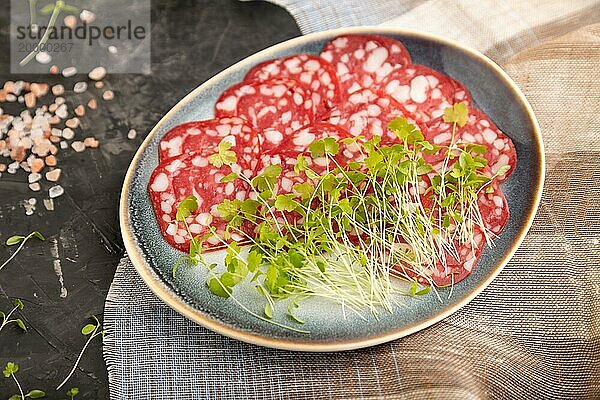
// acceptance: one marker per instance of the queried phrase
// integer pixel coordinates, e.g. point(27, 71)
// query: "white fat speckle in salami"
point(160, 183)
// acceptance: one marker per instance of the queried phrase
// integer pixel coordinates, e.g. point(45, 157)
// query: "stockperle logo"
point(53, 35)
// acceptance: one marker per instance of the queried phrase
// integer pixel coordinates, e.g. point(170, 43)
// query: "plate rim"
point(167, 295)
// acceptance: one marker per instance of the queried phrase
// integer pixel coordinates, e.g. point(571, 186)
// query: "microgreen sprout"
point(17, 321)
point(20, 240)
point(10, 372)
point(91, 331)
point(53, 9)
point(359, 233)
point(73, 392)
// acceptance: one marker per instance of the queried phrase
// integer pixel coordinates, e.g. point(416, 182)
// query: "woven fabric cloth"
point(533, 333)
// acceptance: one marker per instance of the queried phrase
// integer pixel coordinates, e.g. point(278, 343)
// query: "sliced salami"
point(203, 138)
point(179, 177)
point(312, 71)
point(364, 60)
point(481, 130)
point(367, 113)
point(423, 91)
point(276, 107)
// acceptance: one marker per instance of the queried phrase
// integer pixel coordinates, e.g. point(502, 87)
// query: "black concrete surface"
point(191, 41)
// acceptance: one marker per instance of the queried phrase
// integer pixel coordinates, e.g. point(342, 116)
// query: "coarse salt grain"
point(108, 95)
point(78, 146)
point(90, 142)
point(34, 177)
point(50, 161)
point(97, 74)
point(72, 123)
point(80, 87)
point(49, 204)
point(55, 191)
point(69, 71)
point(87, 16)
point(61, 111)
point(57, 90)
point(70, 21)
point(68, 133)
point(43, 58)
point(54, 175)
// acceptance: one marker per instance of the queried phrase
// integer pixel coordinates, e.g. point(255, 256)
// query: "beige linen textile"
point(533, 333)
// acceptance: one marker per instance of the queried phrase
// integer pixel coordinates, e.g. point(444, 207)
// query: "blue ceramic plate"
point(493, 92)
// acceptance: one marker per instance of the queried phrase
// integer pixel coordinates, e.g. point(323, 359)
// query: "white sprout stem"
point(18, 385)
point(7, 319)
point(32, 13)
point(92, 336)
point(17, 251)
point(44, 39)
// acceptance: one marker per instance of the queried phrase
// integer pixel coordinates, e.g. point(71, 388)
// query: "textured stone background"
point(191, 41)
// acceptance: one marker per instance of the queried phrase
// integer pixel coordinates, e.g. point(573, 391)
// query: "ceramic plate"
point(493, 92)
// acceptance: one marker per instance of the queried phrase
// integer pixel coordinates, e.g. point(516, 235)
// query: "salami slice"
point(363, 60)
point(203, 138)
point(481, 130)
point(423, 91)
point(367, 113)
point(179, 177)
point(312, 71)
point(275, 108)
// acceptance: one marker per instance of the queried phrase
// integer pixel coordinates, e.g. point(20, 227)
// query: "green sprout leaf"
point(229, 178)
point(216, 287)
point(19, 303)
point(11, 241)
point(89, 328)
point(35, 394)
point(320, 147)
point(11, 368)
point(503, 170)
point(47, 9)
point(458, 114)
point(20, 324)
point(224, 155)
point(269, 310)
point(186, 207)
point(285, 202)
